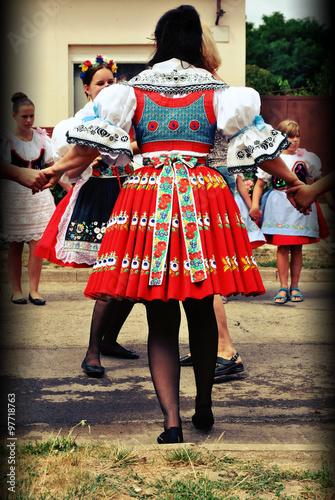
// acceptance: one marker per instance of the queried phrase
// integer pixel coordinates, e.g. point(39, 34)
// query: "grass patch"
point(59, 469)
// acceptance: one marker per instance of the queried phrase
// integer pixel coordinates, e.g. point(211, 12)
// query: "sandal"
point(295, 297)
point(228, 366)
point(280, 299)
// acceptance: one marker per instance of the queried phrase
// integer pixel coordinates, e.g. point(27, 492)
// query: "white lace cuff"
point(103, 136)
point(254, 144)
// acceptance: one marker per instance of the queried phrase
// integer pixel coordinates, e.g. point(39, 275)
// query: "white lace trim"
point(71, 257)
point(175, 82)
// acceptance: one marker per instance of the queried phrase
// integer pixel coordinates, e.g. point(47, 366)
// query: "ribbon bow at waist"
point(175, 172)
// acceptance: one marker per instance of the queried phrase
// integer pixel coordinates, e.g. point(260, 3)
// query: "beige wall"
point(43, 38)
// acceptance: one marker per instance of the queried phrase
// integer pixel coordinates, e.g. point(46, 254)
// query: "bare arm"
point(306, 194)
point(78, 156)
point(278, 168)
point(256, 196)
point(242, 189)
point(33, 179)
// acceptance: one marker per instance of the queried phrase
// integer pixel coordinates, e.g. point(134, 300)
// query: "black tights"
point(163, 352)
point(163, 347)
point(108, 318)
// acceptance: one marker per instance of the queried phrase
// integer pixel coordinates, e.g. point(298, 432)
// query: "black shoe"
point(228, 366)
point(186, 360)
point(172, 435)
point(18, 301)
point(36, 302)
point(93, 371)
point(117, 351)
point(203, 418)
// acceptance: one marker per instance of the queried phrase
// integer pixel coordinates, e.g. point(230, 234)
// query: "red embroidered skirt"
point(126, 256)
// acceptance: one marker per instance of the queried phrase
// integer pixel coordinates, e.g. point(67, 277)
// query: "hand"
point(33, 179)
point(255, 213)
point(52, 177)
point(301, 196)
point(95, 162)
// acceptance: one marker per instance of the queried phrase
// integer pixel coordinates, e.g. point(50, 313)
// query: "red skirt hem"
point(123, 266)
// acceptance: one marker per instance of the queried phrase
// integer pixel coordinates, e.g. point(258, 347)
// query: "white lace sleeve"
point(250, 140)
point(107, 129)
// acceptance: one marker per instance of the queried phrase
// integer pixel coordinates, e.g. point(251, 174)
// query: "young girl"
point(24, 215)
point(282, 224)
point(175, 233)
point(74, 234)
point(244, 203)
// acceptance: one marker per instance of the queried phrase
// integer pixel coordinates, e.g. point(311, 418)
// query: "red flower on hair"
point(87, 63)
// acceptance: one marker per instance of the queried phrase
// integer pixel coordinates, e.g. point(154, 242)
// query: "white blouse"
point(312, 162)
point(30, 150)
point(249, 142)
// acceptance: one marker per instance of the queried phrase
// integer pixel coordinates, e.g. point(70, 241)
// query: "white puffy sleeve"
point(107, 129)
point(313, 165)
point(261, 174)
point(47, 145)
point(60, 146)
point(250, 140)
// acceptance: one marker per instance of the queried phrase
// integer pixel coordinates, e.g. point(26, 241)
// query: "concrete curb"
point(68, 274)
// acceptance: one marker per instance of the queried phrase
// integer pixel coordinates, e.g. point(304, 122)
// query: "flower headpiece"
point(96, 61)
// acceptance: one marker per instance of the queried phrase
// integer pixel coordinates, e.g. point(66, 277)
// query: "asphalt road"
point(284, 398)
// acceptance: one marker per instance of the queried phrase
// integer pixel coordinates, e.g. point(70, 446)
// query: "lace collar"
point(175, 77)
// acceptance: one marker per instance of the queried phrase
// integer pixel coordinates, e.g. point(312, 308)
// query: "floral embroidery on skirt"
point(219, 259)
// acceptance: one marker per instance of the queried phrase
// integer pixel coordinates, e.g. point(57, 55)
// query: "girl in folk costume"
point(175, 233)
point(244, 203)
point(24, 215)
point(282, 224)
point(74, 234)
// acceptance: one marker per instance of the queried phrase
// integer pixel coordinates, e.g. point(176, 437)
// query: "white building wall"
point(41, 40)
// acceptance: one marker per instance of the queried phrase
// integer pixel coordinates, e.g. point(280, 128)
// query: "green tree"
point(260, 79)
point(297, 51)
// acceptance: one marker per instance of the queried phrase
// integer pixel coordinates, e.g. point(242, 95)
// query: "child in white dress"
point(282, 224)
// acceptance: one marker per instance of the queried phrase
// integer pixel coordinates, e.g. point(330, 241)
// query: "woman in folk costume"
point(25, 215)
point(74, 233)
point(175, 233)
